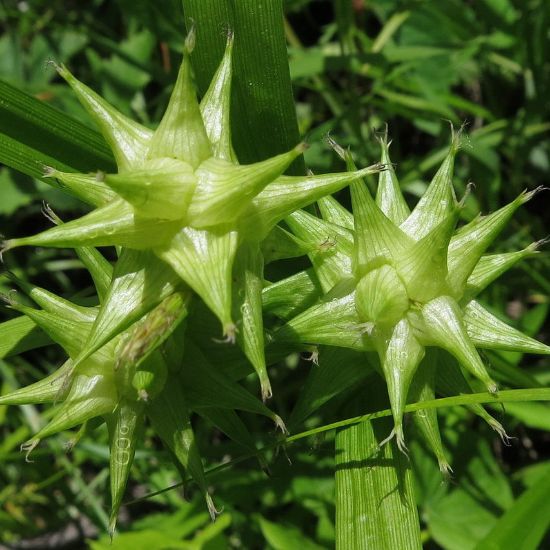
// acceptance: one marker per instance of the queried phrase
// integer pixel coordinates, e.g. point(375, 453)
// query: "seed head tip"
point(49, 171)
point(190, 40)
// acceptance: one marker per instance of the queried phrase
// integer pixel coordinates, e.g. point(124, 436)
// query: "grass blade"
point(19, 335)
point(524, 524)
point(42, 128)
point(375, 505)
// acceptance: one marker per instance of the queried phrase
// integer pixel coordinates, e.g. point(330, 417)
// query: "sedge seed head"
point(415, 279)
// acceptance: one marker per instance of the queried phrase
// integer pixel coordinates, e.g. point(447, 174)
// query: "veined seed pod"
point(124, 381)
point(182, 198)
point(413, 279)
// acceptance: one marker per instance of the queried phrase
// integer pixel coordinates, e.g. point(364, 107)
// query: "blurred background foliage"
point(356, 65)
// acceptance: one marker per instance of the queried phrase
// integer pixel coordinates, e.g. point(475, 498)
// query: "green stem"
point(536, 394)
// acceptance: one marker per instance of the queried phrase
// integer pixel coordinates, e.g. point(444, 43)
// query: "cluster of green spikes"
point(194, 226)
point(396, 282)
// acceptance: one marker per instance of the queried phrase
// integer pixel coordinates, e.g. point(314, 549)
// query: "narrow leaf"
point(336, 371)
point(170, 418)
point(41, 130)
point(262, 92)
point(524, 524)
point(450, 381)
point(375, 504)
point(19, 335)
point(206, 386)
point(229, 422)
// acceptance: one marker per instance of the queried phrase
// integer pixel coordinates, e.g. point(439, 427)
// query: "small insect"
point(327, 244)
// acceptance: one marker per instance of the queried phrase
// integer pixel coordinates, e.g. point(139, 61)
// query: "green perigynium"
point(139, 374)
point(398, 282)
point(185, 207)
point(186, 217)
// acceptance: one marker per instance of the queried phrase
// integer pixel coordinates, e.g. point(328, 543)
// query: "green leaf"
point(19, 335)
point(25, 159)
point(336, 371)
point(170, 418)
point(375, 504)
point(229, 422)
point(284, 537)
point(206, 386)
point(45, 132)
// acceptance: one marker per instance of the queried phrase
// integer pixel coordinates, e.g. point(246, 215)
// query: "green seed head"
point(413, 279)
point(181, 195)
point(185, 217)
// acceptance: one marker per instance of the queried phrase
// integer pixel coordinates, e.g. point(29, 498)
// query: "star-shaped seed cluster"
point(188, 221)
point(183, 209)
point(398, 282)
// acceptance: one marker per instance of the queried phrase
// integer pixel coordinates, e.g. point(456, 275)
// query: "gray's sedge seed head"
point(415, 277)
point(181, 193)
point(179, 207)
